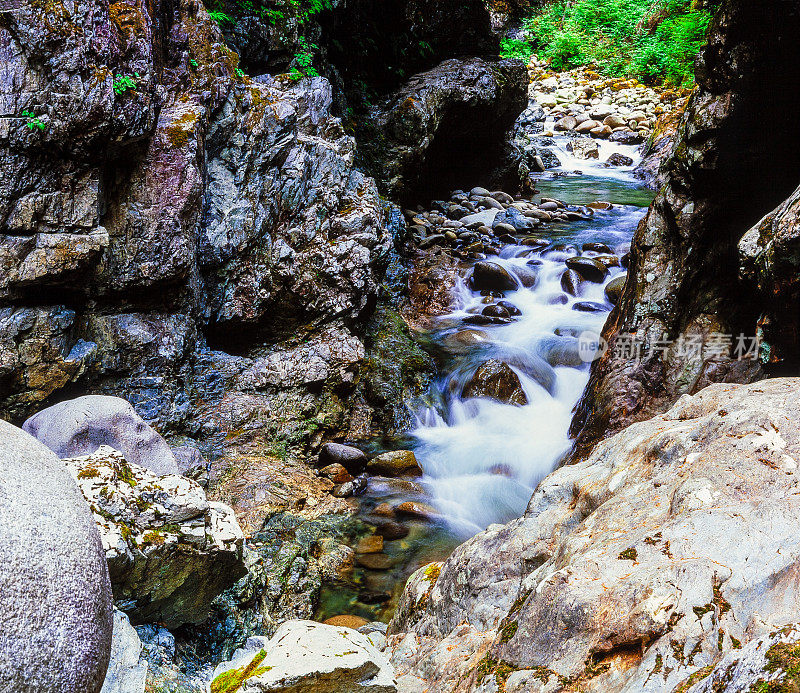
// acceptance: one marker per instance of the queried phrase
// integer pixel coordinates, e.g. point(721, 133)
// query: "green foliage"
point(123, 83)
point(655, 41)
point(304, 57)
point(32, 122)
point(221, 18)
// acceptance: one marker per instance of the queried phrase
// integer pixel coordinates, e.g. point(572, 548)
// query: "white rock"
point(305, 656)
point(125, 673)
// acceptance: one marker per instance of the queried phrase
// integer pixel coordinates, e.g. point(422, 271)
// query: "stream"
point(482, 458)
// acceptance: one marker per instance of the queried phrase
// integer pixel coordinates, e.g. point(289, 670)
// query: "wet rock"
point(352, 459)
point(605, 206)
point(584, 148)
point(614, 289)
point(528, 275)
point(391, 530)
point(416, 509)
point(56, 598)
point(304, 655)
point(560, 351)
point(607, 261)
point(383, 510)
point(491, 276)
point(589, 307)
point(155, 526)
point(397, 463)
point(571, 282)
point(351, 488)
point(336, 473)
point(596, 247)
point(617, 159)
point(496, 311)
point(496, 380)
point(588, 268)
point(80, 426)
point(509, 307)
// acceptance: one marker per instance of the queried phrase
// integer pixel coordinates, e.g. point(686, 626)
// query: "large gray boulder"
point(55, 595)
point(80, 426)
point(645, 566)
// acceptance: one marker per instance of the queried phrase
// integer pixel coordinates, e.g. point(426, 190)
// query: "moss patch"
point(231, 681)
point(781, 657)
point(694, 678)
point(628, 554)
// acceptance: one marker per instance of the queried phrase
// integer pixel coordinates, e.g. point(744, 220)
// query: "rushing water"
point(482, 459)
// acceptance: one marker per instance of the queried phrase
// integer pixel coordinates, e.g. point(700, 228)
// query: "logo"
point(591, 346)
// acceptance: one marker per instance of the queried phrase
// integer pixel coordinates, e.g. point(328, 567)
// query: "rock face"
point(444, 128)
point(769, 260)
point(718, 184)
point(304, 656)
point(672, 544)
point(54, 587)
point(80, 426)
point(170, 551)
point(194, 235)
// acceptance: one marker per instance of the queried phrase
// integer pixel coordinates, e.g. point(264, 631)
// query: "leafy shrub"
point(221, 18)
point(123, 83)
point(655, 41)
point(32, 122)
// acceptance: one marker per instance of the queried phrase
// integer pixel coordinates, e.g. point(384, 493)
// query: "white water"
point(482, 459)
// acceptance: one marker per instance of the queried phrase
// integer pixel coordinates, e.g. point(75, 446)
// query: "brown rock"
point(391, 530)
point(374, 561)
point(336, 473)
point(496, 380)
point(370, 544)
point(383, 510)
point(397, 463)
point(417, 509)
point(346, 620)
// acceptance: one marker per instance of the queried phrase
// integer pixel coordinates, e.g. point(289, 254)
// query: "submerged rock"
point(54, 587)
point(170, 551)
point(304, 656)
point(496, 380)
